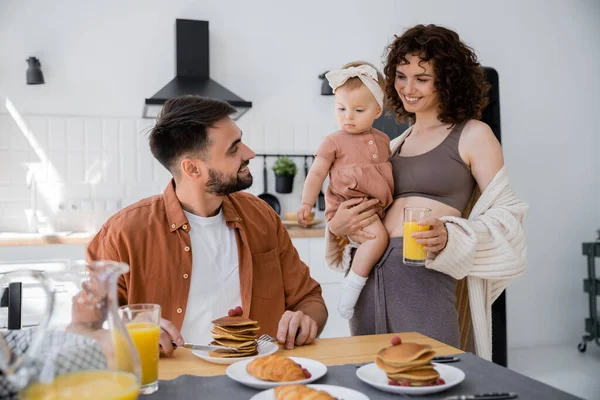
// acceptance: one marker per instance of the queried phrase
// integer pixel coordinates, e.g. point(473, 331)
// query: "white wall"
point(103, 59)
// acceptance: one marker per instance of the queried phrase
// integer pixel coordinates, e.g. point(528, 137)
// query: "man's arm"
point(100, 248)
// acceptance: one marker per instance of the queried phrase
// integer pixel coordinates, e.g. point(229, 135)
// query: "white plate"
point(375, 377)
point(336, 391)
point(238, 373)
point(263, 350)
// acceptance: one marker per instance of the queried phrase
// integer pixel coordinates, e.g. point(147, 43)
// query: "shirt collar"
point(175, 216)
point(229, 211)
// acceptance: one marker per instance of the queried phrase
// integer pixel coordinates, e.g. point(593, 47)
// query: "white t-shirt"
point(215, 278)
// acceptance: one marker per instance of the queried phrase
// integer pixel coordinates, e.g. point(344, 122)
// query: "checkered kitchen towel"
point(60, 353)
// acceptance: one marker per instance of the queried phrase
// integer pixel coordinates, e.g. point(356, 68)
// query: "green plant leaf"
point(284, 166)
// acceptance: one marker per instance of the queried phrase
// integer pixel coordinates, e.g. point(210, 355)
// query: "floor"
point(562, 367)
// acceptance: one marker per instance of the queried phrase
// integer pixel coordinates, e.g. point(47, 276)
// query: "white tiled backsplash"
point(88, 167)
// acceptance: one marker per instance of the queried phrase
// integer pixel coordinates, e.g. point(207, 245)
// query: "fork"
point(264, 339)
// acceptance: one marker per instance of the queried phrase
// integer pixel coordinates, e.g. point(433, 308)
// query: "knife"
point(445, 359)
point(206, 348)
point(484, 396)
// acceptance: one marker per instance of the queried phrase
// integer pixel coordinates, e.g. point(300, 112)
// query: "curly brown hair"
point(460, 80)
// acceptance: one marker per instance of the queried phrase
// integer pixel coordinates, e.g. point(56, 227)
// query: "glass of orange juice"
point(413, 253)
point(143, 325)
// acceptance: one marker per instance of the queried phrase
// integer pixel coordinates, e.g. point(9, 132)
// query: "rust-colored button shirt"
point(152, 236)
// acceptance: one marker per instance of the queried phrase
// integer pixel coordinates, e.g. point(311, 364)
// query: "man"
point(203, 246)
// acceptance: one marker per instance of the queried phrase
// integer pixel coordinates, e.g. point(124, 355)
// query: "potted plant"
point(285, 170)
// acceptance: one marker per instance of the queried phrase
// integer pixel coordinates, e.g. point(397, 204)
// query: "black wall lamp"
point(325, 88)
point(34, 72)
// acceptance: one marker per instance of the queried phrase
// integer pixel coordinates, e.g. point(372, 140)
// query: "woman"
point(442, 162)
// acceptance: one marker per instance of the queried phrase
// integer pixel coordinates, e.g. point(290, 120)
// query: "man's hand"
point(169, 335)
point(296, 328)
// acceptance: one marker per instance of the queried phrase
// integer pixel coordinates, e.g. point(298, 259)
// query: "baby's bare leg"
point(370, 251)
point(365, 258)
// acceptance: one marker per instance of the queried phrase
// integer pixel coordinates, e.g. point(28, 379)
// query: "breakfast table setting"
point(345, 368)
point(105, 352)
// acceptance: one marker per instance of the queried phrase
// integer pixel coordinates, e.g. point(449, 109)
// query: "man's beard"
point(220, 185)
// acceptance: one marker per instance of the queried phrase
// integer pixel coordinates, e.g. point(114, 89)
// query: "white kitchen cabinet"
point(311, 251)
point(42, 253)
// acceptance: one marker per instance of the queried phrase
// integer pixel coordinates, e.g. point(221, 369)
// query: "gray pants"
point(407, 298)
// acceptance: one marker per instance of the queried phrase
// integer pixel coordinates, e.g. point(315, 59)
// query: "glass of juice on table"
point(413, 252)
point(143, 324)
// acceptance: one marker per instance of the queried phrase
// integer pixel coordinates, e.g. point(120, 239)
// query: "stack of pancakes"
point(408, 364)
point(234, 332)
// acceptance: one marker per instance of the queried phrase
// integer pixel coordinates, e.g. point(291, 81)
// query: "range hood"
point(193, 72)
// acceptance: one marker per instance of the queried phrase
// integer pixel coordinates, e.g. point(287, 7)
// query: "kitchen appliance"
point(192, 73)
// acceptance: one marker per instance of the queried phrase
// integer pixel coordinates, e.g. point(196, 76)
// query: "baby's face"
point(356, 109)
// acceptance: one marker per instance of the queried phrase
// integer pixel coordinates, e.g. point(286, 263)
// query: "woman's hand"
point(352, 216)
point(435, 238)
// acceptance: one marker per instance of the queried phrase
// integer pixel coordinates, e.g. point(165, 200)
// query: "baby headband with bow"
point(366, 73)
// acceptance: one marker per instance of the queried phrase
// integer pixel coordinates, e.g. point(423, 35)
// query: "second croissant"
point(277, 369)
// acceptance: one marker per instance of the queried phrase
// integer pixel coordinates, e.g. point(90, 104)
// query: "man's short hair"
point(181, 128)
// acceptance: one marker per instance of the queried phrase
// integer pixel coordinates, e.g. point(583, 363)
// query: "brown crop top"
point(439, 174)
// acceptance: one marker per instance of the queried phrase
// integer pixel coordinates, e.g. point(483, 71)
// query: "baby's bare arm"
point(314, 181)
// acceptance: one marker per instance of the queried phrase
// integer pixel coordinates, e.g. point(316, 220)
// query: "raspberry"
point(307, 374)
point(440, 382)
point(396, 340)
point(392, 382)
point(239, 311)
point(404, 383)
point(231, 313)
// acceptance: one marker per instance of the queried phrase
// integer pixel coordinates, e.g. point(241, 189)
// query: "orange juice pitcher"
point(80, 349)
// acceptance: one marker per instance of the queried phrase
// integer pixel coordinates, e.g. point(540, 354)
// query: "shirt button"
point(173, 226)
point(370, 142)
point(185, 276)
point(374, 155)
point(187, 248)
point(184, 226)
point(179, 311)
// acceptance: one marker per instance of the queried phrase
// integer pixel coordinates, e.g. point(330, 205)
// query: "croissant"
point(300, 392)
point(275, 368)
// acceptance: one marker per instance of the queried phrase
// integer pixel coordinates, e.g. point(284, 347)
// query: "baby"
point(356, 159)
